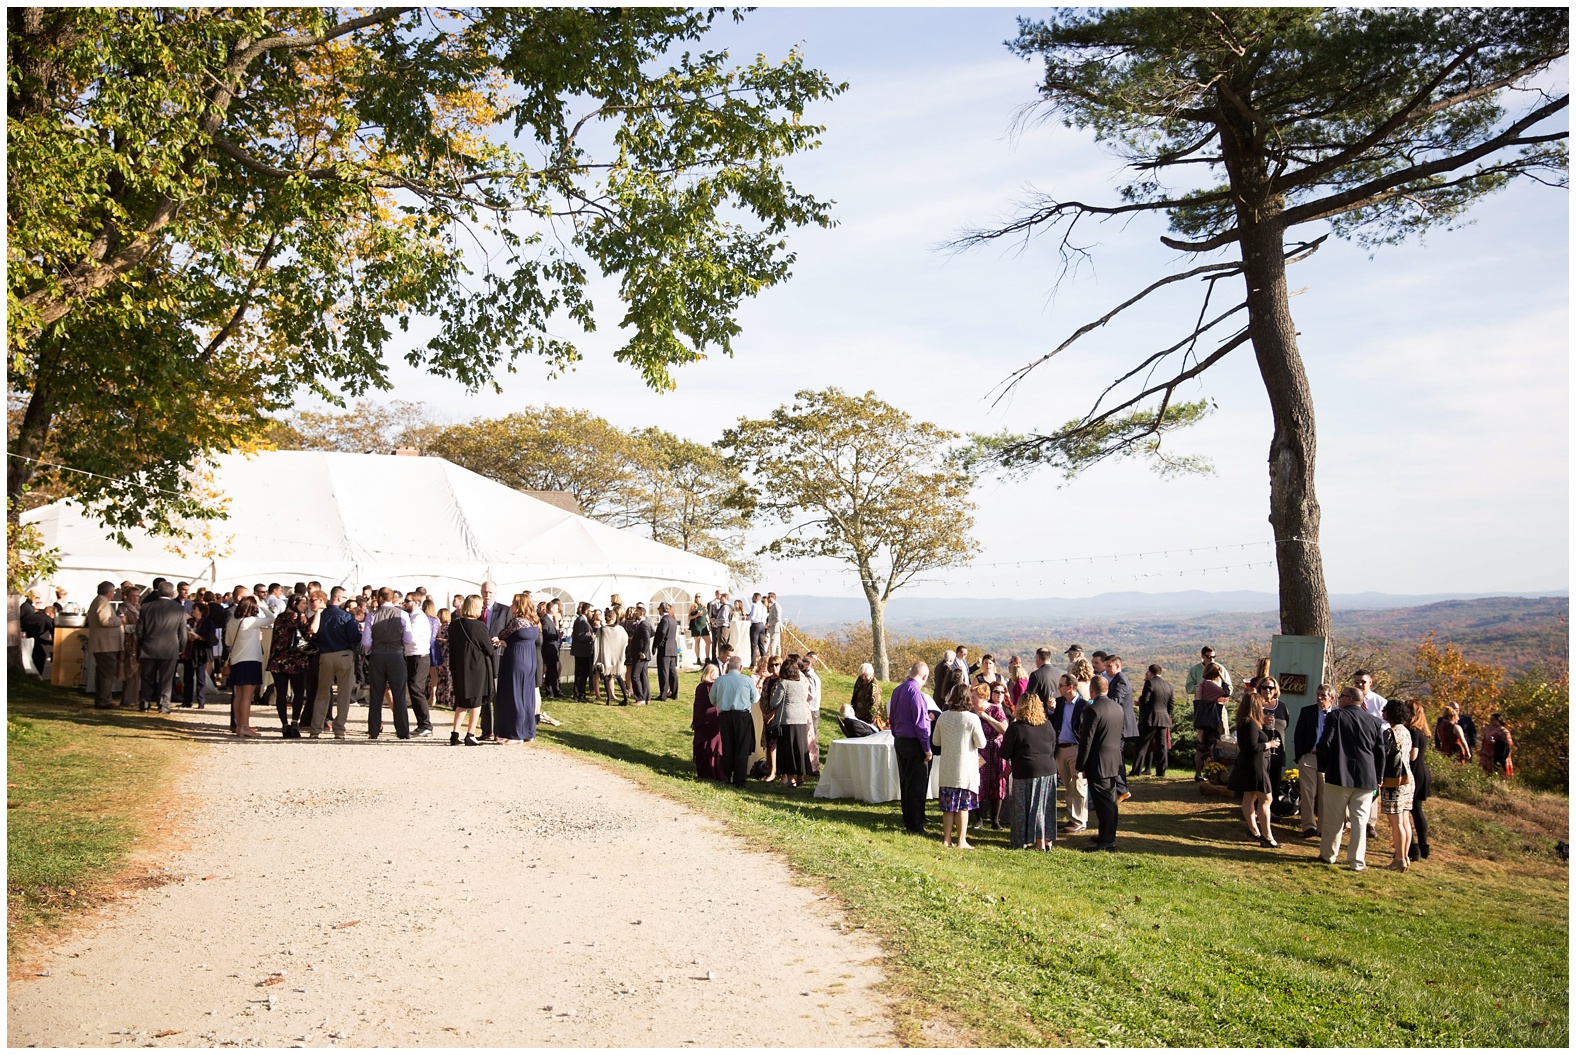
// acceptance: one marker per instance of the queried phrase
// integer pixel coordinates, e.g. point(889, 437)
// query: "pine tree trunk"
point(878, 636)
point(1294, 509)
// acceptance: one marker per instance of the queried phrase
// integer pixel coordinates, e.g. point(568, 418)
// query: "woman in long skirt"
point(707, 724)
point(791, 695)
point(992, 697)
point(1029, 747)
point(515, 709)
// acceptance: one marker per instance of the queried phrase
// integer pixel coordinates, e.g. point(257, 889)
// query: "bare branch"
point(1012, 379)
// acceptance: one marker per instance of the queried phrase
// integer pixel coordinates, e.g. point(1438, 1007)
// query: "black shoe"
point(454, 739)
point(1268, 843)
point(405, 737)
point(1424, 849)
point(471, 741)
point(372, 736)
point(1415, 853)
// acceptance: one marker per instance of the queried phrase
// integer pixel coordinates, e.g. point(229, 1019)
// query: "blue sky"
point(1439, 369)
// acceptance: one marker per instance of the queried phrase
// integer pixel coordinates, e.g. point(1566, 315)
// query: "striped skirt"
point(1032, 811)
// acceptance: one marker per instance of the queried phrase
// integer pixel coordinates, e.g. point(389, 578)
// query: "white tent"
point(385, 520)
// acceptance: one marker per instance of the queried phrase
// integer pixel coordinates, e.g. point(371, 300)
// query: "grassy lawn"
point(1193, 936)
point(83, 789)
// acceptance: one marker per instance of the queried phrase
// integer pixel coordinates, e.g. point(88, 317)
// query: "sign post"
point(1297, 665)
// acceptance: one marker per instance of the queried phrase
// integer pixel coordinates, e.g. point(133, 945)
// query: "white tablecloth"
point(864, 768)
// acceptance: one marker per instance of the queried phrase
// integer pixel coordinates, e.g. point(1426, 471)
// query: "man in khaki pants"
point(1068, 719)
point(334, 629)
point(104, 641)
point(1310, 782)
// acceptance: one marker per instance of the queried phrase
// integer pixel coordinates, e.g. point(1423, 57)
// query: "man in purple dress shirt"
point(910, 720)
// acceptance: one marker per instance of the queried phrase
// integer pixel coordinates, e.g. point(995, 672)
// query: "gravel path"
point(412, 893)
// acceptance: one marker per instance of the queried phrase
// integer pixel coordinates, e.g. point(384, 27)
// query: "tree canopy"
point(1241, 127)
point(213, 210)
point(859, 481)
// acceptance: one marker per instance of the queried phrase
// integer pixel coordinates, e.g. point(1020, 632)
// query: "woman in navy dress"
point(515, 709)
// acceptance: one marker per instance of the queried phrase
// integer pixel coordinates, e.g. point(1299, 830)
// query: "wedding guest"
point(1209, 715)
point(608, 663)
point(418, 662)
point(641, 648)
point(813, 691)
point(734, 697)
point(1083, 675)
point(958, 737)
point(1068, 719)
point(866, 700)
point(473, 666)
point(552, 638)
point(990, 704)
point(514, 718)
point(1396, 787)
point(130, 661)
point(1493, 750)
point(1448, 737)
point(767, 673)
point(1029, 747)
point(1422, 779)
point(287, 662)
point(1351, 757)
point(665, 647)
point(202, 641)
point(244, 670)
point(1017, 682)
point(1250, 777)
point(1310, 781)
point(700, 631)
point(706, 722)
point(442, 677)
point(337, 635)
point(910, 720)
point(385, 635)
point(105, 641)
point(1100, 759)
point(1155, 718)
point(791, 705)
point(582, 649)
point(161, 635)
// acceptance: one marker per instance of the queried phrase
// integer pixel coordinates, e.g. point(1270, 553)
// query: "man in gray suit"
point(1100, 759)
point(667, 649)
point(161, 632)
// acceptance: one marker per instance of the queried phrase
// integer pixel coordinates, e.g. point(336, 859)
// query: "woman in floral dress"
point(288, 662)
point(442, 676)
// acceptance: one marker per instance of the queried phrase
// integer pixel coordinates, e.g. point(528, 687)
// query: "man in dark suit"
point(552, 637)
point(1043, 679)
point(582, 649)
point(666, 647)
point(1100, 759)
point(640, 646)
point(1351, 757)
point(496, 615)
point(1121, 691)
point(161, 633)
point(1154, 723)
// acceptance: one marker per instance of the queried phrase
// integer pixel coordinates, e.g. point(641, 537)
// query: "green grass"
point(1192, 936)
point(83, 789)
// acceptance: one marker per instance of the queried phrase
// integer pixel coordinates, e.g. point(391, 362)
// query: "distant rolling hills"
point(1512, 631)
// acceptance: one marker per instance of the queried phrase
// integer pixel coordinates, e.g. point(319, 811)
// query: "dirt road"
point(416, 894)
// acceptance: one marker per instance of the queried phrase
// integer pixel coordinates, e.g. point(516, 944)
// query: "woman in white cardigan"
point(958, 737)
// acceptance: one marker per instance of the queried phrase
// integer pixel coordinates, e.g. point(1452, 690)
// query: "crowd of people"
point(1015, 747)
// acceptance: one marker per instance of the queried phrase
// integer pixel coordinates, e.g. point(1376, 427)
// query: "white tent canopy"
point(384, 520)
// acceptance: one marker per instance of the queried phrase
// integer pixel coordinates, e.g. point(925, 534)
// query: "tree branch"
point(1354, 198)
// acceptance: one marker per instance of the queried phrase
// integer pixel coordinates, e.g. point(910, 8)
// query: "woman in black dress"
point(1422, 783)
point(473, 668)
point(1251, 775)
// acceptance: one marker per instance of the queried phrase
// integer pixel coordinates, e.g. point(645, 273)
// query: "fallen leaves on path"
point(347, 923)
